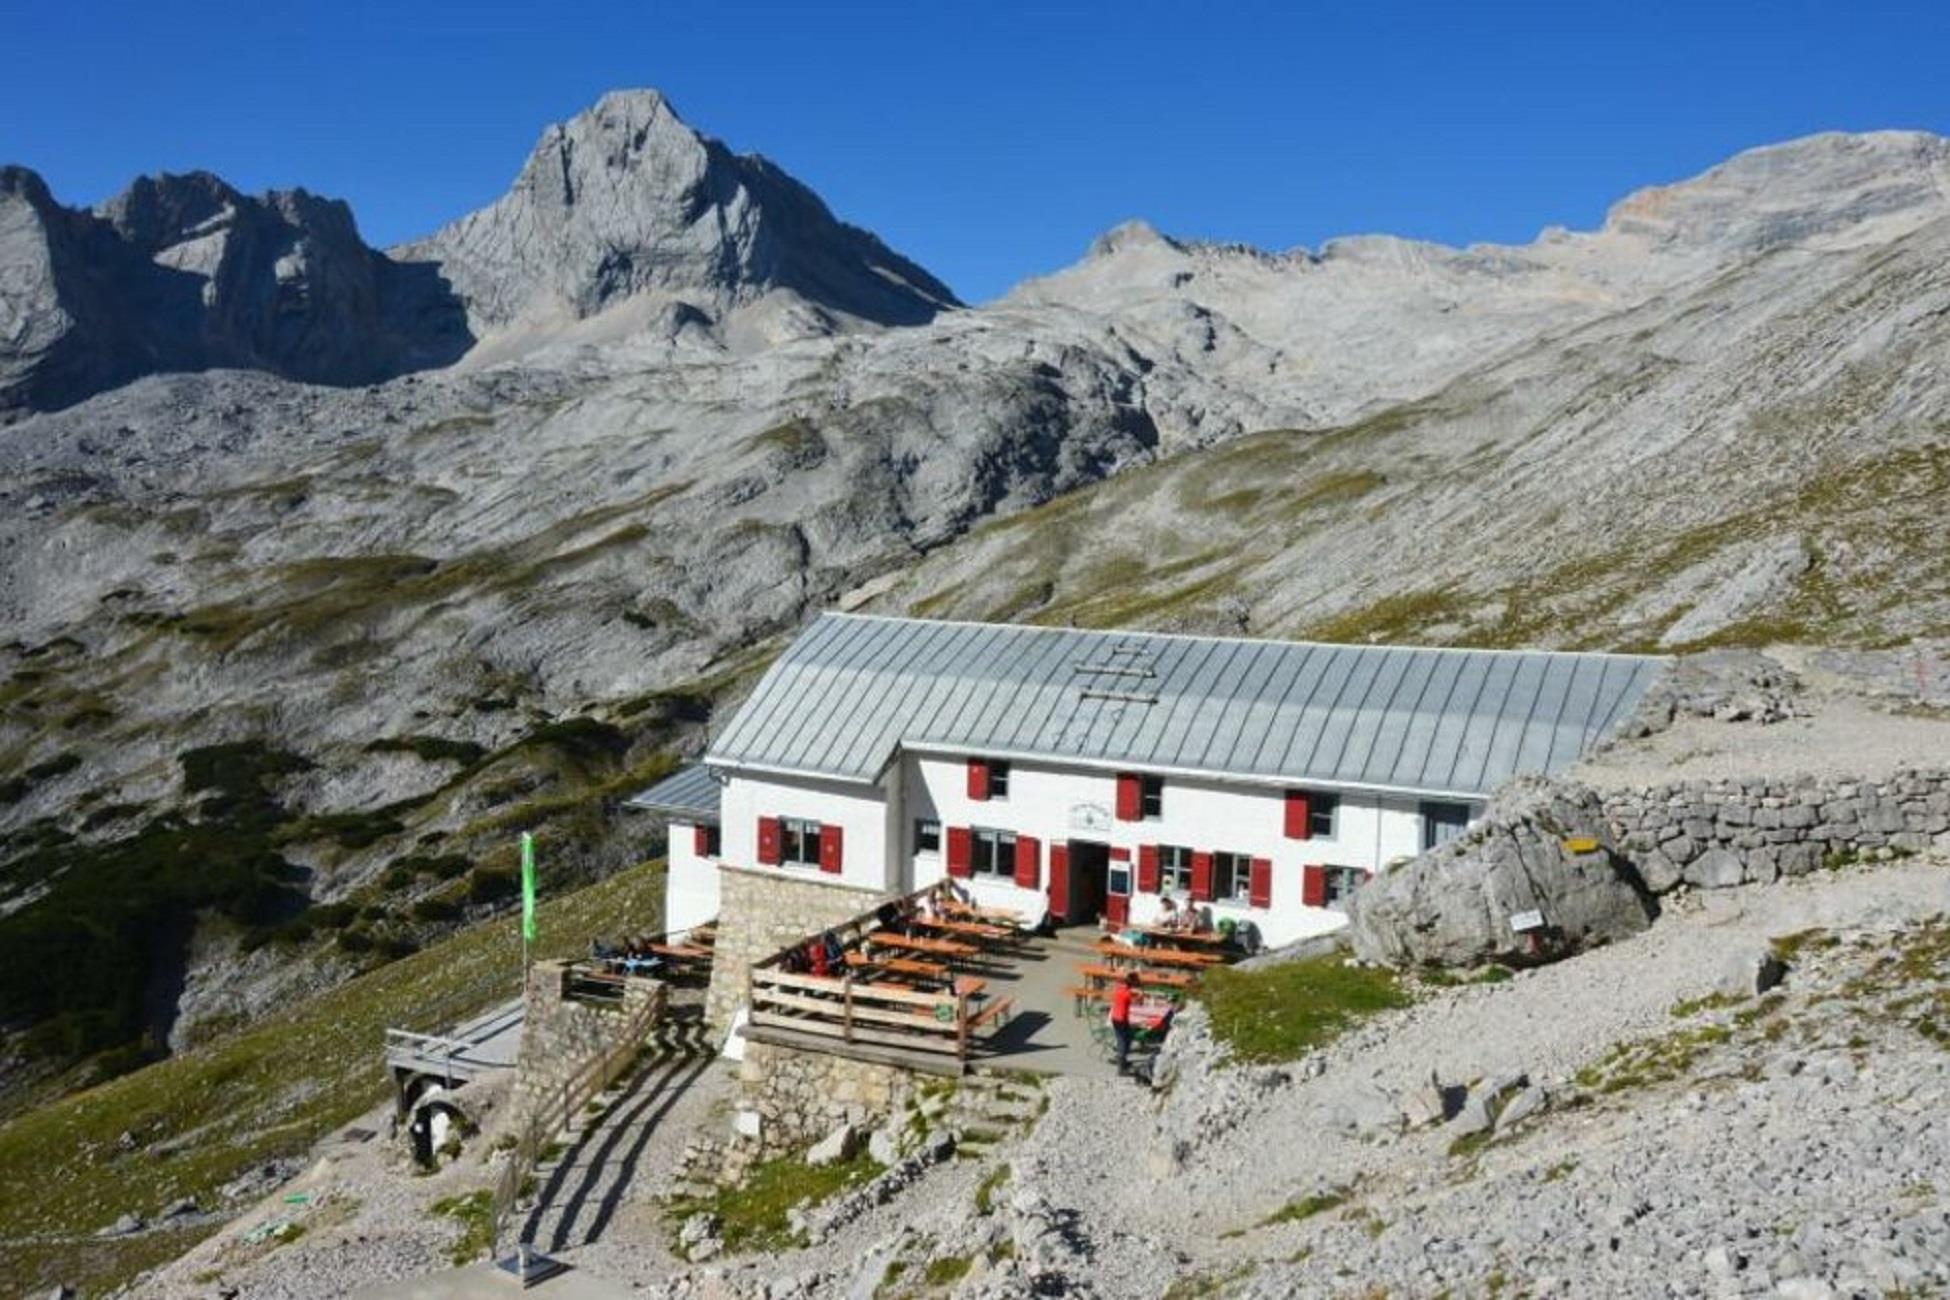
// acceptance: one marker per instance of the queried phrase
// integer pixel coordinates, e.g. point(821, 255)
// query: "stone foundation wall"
point(1713, 834)
point(760, 912)
point(560, 1035)
point(793, 1098)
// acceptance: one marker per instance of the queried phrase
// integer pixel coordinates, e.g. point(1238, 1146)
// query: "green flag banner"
point(527, 887)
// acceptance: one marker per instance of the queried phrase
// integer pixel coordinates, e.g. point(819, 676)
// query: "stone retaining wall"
point(789, 1098)
point(761, 911)
point(561, 1035)
point(1710, 834)
point(1555, 867)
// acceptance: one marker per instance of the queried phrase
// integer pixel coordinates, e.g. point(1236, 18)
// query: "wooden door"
point(1059, 882)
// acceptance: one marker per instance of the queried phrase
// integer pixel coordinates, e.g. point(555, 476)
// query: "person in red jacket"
point(1120, 1018)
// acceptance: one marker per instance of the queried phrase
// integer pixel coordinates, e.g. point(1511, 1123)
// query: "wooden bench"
point(948, 948)
point(911, 966)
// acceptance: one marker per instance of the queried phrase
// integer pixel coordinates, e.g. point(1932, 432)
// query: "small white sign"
point(1089, 817)
point(1522, 921)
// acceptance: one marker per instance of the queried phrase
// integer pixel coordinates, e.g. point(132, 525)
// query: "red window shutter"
point(770, 842)
point(1130, 806)
point(1059, 881)
point(1260, 885)
point(1147, 868)
point(1313, 885)
point(1299, 815)
point(1201, 877)
point(978, 779)
point(960, 850)
point(831, 856)
point(1029, 862)
point(701, 840)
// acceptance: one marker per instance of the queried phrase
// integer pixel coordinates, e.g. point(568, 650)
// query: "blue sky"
point(990, 141)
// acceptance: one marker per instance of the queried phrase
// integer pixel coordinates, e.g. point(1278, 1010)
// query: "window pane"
point(998, 780)
point(1442, 822)
point(1322, 810)
point(1151, 796)
point(927, 836)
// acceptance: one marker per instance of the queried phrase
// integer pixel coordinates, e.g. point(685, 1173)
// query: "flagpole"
point(527, 905)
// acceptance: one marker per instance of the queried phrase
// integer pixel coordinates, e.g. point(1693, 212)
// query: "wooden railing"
point(848, 1010)
point(562, 1104)
point(854, 1011)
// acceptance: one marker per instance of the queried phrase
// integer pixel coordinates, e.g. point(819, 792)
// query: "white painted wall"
point(690, 882)
point(860, 811)
point(1055, 803)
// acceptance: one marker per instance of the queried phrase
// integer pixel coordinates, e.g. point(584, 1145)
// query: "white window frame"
point(1323, 815)
point(1340, 884)
point(795, 835)
point(1174, 869)
point(1151, 798)
point(1232, 877)
point(999, 778)
point(1001, 846)
point(920, 823)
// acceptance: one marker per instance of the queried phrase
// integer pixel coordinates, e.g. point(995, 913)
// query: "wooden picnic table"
point(911, 966)
point(967, 929)
point(1155, 956)
point(679, 951)
point(1164, 934)
point(913, 943)
point(1169, 979)
point(1000, 915)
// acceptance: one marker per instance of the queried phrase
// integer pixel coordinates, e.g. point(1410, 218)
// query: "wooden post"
point(961, 1023)
point(846, 1001)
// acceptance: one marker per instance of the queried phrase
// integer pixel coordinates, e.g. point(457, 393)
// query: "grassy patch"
point(948, 1270)
point(1281, 1012)
point(752, 1215)
point(1306, 1207)
point(989, 1186)
point(1202, 1285)
point(474, 1213)
point(434, 749)
point(1690, 1007)
point(1654, 1060)
point(202, 1118)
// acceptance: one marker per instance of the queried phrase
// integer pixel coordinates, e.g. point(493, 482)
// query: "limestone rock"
point(836, 1147)
point(1453, 905)
point(1750, 972)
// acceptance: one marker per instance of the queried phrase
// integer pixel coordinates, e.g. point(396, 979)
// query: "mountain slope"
point(488, 597)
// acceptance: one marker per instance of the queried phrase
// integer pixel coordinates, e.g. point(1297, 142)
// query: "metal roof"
point(853, 689)
point(690, 793)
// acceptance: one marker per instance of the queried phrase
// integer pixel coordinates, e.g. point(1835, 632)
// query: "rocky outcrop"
point(186, 273)
point(1541, 848)
point(1592, 864)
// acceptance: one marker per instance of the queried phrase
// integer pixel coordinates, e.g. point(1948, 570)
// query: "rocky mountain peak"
point(625, 199)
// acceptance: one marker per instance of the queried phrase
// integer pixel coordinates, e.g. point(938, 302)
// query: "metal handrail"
point(546, 1120)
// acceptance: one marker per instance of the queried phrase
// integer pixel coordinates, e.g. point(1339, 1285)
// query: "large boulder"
point(1543, 848)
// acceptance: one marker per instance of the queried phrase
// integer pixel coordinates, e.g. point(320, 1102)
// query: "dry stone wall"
point(1710, 834)
point(761, 911)
point(790, 1098)
point(1555, 867)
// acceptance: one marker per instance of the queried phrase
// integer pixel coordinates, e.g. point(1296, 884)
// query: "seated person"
point(1168, 913)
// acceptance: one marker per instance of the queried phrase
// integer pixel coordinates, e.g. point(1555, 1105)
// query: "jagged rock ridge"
point(185, 273)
